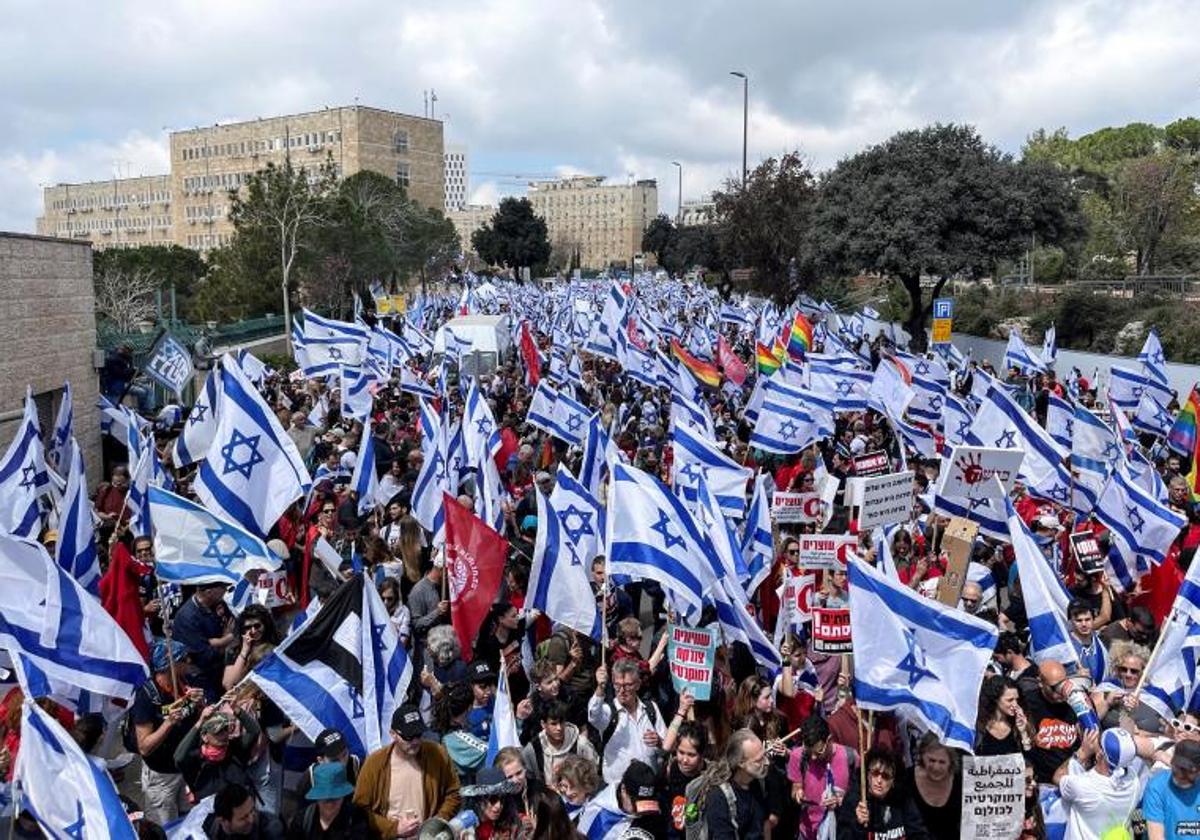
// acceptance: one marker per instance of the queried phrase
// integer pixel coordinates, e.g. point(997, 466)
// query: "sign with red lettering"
point(796, 508)
point(825, 551)
point(872, 463)
point(691, 655)
point(273, 589)
point(797, 599)
point(1087, 552)
point(831, 631)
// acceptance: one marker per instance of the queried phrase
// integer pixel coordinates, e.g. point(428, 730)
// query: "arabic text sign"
point(886, 499)
point(993, 791)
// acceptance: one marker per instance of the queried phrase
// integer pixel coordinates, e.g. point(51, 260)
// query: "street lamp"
point(745, 117)
point(679, 205)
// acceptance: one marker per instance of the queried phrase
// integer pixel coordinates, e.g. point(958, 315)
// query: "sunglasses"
point(794, 552)
point(327, 510)
point(253, 626)
point(881, 774)
point(1124, 670)
point(1181, 726)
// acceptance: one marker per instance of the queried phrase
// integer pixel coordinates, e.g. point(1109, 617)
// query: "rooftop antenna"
point(432, 104)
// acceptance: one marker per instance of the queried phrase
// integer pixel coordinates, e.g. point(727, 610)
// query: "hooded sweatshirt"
point(545, 758)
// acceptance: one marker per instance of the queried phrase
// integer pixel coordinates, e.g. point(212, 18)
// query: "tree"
point(124, 299)
point(514, 237)
point(762, 225)
point(168, 265)
point(428, 243)
point(362, 235)
point(659, 236)
point(1152, 197)
point(286, 207)
point(694, 245)
point(936, 203)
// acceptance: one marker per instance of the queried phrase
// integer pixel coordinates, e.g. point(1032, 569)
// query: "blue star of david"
point(237, 440)
point(356, 706)
point(439, 469)
point(214, 551)
point(844, 387)
point(574, 423)
point(693, 472)
point(788, 429)
point(935, 403)
point(28, 476)
point(197, 414)
point(484, 426)
point(1070, 427)
point(663, 528)
point(1137, 391)
point(963, 426)
point(921, 369)
point(1111, 450)
point(1161, 415)
point(647, 366)
point(61, 434)
point(977, 502)
point(1136, 520)
point(1157, 358)
point(1006, 440)
point(335, 353)
point(577, 523)
point(913, 663)
point(1059, 494)
point(456, 464)
point(75, 829)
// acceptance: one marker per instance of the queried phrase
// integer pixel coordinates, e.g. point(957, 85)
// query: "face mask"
point(212, 752)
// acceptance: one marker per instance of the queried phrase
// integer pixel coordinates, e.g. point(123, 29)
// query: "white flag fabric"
point(75, 551)
point(503, 731)
point(193, 545)
point(1046, 598)
point(24, 476)
point(1173, 677)
point(365, 482)
point(1003, 424)
point(253, 471)
point(201, 424)
point(570, 533)
point(917, 655)
point(64, 428)
point(697, 457)
point(69, 795)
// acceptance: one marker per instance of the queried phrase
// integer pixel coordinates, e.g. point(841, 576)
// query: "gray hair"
point(626, 668)
point(443, 644)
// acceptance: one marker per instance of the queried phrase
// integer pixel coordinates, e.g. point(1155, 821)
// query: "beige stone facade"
point(469, 219)
point(48, 309)
point(603, 222)
point(700, 212)
point(121, 213)
point(208, 162)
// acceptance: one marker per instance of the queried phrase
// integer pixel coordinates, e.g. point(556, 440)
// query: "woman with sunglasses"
point(325, 525)
point(885, 811)
point(254, 631)
point(1116, 697)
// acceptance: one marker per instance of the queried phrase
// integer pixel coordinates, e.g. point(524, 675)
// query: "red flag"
point(531, 357)
point(734, 367)
point(475, 556)
point(119, 595)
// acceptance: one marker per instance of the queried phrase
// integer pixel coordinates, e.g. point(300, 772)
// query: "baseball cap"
point(1118, 747)
point(331, 743)
point(407, 723)
point(1187, 755)
point(529, 523)
point(640, 782)
point(480, 671)
point(1049, 522)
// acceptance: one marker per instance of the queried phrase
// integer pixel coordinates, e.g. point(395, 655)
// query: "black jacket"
point(894, 817)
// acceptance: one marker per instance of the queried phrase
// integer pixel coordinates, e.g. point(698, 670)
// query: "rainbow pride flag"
point(1183, 438)
point(706, 372)
point(800, 337)
point(767, 361)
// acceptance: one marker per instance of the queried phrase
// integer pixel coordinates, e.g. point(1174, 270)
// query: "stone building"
point(469, 219)
point(603, 222)
point(208, 162)
point(48, 310)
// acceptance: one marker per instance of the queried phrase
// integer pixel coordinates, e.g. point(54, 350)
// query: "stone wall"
point(48, 335)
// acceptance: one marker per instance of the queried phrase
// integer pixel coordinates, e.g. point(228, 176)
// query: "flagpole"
point(1153, 655)
point(862, 763)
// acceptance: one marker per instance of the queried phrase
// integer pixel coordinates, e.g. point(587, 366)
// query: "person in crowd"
point(1099, 801)
point(330, 813)
point(797, 688)
point(732, 792)
point(205, 627)
point(255, 636)
point(331, 747)
point(1001, 725)
point(408, 781)
point(819, 771)
point(558, 739)
point(638, 795)
point(686, 764)
point(1113, 699)
point(401, 618)
point(629, 727)
point(577, 780)
point(216, 751)
point(235, 814)
point(884, 810)
point(935, 784)
point(450, 719)
point(495, 804)
point(1093, 656)
point(483, 681)
point(1052, 722)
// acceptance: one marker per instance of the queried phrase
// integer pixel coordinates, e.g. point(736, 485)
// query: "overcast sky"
point(611, 87)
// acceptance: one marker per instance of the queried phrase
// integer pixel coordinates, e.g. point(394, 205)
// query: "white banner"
point(886, 499)
point(993, 791)
point(970, 470)
point(825, 551)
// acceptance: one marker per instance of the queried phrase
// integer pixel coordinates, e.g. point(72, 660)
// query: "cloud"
point(592, 86)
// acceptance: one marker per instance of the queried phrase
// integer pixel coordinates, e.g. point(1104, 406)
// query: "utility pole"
point(745, 117)
point(679, 204)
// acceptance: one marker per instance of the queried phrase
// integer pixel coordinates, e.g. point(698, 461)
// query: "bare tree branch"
point(125, 299)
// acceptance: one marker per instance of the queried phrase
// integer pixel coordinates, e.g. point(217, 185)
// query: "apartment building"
point(603, 222)
point(121, 213)
point(458, 187)
point(208, 162)
point(469, 219)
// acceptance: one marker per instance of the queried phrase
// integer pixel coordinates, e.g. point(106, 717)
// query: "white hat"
point(1049, 522)
point(1119, 747)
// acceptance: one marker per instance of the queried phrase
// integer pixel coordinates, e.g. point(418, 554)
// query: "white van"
point(490, 338)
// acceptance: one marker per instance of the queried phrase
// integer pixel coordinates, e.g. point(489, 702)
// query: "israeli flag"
point(1046, 598)
point(24, 476)
point(956, 423)
point(60, 629)
point(75, 551)
point(192, 545)
point(570, 419)
point(921, 441)
point(57, 448)
point(541, 407)
point(1001, 423)
point(559, 583)
point(1139, 524)
point(685, 411)
point(1060, 420)
point(640, 365)
point(357, 399)
point(1152, 417)
point(252, 472)
point(410, 383)
point(757, 544)
point(598, 452)
point(316, 327)
point(602, 818)
point(490, 494)
point(1126, 386)
point(433, 479)
point(480, 432)
point(139, 485)
point(1050, 346)
point(193, 442)
point(929, 398)
point(1154, 363)
point(364, 482)
point(916, 655)
point(318, 357)
point(1094, 451)
point(697, 458)
point(344, 668)
point(1018, 355)
point(652, 536)
point(602, 340)
point(784, 429)
point(1173, 676)
point(68, 794)
point(988, 514)
point(503, 731)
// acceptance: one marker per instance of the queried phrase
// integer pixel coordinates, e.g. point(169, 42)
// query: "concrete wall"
point(47, 309)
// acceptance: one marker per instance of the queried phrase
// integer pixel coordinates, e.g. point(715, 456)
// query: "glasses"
point(1181, 726)
point(879, 773)
point(625, 686)
point(970, 600)
point(1127, 670)
point(794, 552)
point(327, 510)
point(253, 625)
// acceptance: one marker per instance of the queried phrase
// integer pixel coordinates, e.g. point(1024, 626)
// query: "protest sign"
point(993, 791)
point(1087, 551)
point(691, 654)
point(886, 499)
point(170, 364)
point(957, 542)
point(831, 631)
point(970, 470)
point(798, 591)
point(795, 508)
point(872, 464)
point(383, 305)
point(825, 551)
point(273, 589)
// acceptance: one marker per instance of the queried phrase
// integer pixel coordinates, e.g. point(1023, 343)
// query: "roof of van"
point(476, 320)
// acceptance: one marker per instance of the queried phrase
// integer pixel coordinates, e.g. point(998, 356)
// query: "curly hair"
point(581, 772)
point(442, 644)
point(1122, 650)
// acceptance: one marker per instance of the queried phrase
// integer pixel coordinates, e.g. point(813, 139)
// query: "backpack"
point(614, 716)
point(697, 828)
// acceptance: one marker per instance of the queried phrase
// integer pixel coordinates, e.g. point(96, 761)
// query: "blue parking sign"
point(943, 308)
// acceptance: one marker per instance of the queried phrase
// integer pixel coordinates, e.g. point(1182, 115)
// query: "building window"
point(402, 177)
point(400, 140)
